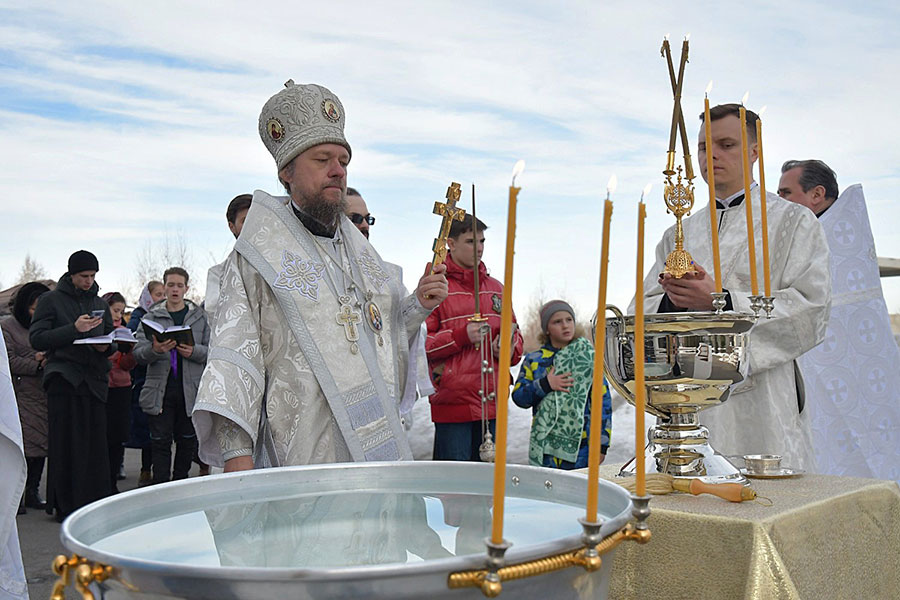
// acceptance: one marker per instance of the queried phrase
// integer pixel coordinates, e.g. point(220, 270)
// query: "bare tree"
point(530, 320)
point(155, 257)
point(31, 270)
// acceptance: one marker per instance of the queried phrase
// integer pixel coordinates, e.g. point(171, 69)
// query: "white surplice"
point(853, 377)
point(761, 416)
point(12, 473)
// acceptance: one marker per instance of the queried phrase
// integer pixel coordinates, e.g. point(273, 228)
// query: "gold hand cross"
point(450, 212)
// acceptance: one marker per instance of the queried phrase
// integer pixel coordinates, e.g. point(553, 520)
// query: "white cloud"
point(146, 117)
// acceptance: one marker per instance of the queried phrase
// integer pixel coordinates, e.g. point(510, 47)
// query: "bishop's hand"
point(432, 288)
point(693, 291)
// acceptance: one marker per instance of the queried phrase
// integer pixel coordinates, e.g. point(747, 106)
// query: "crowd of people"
point(309, 349)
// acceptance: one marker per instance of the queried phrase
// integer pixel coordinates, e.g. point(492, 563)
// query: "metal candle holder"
point(718, 301)
point(756, 304)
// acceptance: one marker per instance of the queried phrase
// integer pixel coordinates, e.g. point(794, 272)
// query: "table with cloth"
point(823, 537)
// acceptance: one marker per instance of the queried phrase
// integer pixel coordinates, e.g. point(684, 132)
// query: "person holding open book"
point(118, 399)
point(173, 341)
point(75, 378)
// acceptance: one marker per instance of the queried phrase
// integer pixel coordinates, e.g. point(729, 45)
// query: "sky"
point(124, 124)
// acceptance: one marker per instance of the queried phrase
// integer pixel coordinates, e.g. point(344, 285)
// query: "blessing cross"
point(450, 212)
point(349, 319)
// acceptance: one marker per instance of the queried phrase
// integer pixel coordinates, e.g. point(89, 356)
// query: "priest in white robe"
point(765, 414)
point(309, 355)
point(853, 377)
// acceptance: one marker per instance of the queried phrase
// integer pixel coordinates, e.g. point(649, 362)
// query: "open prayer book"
point(180, 333)
point(121, 335)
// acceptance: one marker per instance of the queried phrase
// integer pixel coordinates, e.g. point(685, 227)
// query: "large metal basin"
point(374, 530)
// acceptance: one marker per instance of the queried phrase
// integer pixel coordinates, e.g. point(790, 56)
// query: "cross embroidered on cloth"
point(300, 275)
point(372, 269)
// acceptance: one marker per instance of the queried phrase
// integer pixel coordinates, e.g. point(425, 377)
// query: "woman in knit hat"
point(76, 382)
point(555, 383)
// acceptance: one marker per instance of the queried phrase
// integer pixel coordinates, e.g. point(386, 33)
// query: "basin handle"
point(620, 319)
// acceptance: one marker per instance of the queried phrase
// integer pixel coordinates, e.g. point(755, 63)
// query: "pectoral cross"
point(349, 319)
point(450, 212)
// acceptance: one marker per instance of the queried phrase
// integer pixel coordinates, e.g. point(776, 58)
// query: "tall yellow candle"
point(767, 278)
point(711, 182)
point(751, 240)
point(503, 375)
point(599, 348)
point(639, 389)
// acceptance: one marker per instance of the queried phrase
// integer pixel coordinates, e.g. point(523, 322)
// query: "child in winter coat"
point(555, 382)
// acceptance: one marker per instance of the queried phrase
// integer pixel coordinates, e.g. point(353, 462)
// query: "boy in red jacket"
point(453, 350)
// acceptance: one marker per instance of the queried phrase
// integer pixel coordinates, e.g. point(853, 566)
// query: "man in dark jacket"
point(76, 380)
point(454, 351)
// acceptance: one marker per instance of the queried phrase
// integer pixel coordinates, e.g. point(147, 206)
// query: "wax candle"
point(639, 386)
point(751, 240)
point(767, 278)
point(503, 375)
point(711, 182)
point(599, 348)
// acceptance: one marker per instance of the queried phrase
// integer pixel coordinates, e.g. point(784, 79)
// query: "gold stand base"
point(679, 263)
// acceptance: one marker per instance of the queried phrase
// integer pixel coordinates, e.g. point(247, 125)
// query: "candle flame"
point(709, 87)
point(517, 170)
point(687, 38)
point(762, 110)
point(745, 98)
point(611, 186)
point(646, 191)
point(666, 37)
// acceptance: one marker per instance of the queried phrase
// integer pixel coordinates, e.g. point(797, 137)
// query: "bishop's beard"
point(323, 210)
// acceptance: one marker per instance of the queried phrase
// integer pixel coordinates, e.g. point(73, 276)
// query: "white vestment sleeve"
point(414, 314)
point(233, 383)
point(802, 299)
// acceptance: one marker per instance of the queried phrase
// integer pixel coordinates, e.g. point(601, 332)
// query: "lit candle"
point(745, 157)
point(639, 389)
point(599, 348)
point(503, 376)
point(711, 182)
point(767, 279)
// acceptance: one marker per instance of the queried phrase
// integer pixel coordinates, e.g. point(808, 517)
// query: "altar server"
point(766, 412)
point(309, 356)
point(853, 377)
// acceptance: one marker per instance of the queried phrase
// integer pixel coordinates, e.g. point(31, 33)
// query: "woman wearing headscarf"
point(26, 368)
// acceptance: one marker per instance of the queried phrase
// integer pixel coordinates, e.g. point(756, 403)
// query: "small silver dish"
point(780, 473)
point(762, 463)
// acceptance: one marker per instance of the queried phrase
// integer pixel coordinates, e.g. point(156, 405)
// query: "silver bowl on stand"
point(691, 362)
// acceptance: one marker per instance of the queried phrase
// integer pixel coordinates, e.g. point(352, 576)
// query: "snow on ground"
point(621, 449)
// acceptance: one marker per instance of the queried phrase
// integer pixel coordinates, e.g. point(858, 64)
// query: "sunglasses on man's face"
point(357, 219)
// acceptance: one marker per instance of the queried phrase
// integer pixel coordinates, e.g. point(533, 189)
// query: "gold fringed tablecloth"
point(824, 537)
